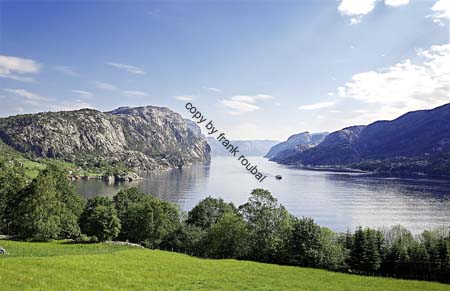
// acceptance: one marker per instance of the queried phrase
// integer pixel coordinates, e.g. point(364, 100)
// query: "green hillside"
point(67, 266)
point(33, 165)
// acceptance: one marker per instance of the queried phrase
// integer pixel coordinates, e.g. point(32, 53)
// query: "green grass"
point(33, 167)
point(56, 248)
point(107, 267)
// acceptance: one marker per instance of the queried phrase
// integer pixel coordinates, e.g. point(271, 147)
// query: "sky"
point(258, 69)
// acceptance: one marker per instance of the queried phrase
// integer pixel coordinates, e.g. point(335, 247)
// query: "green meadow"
point(62, 265)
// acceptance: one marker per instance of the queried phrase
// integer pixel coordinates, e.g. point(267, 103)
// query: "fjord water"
point(335, 200)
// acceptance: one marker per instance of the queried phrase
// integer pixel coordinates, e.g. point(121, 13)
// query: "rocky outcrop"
point(337, 148)
point(295, 144)
point(141, 138)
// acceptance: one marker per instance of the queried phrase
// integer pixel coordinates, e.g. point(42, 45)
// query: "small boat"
point(278, 177)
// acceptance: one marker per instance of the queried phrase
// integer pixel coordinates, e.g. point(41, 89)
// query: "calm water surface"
point(336, 200)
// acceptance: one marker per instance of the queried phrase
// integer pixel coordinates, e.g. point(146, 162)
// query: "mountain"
point(246, 147)
point(141, 138)
point(295, 144)
point(414, 139)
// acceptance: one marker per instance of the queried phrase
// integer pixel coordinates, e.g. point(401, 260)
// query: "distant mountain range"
point(415, 143)
point(246, 147)
point(295, 144)
point(141, 138)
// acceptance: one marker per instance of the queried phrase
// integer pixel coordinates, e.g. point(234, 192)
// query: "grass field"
point(66, 266)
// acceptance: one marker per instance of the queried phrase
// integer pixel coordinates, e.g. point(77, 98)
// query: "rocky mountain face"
point(295, 144)
point(246, 147)
point(141, 138)
point(334, 148)
point(418, 136)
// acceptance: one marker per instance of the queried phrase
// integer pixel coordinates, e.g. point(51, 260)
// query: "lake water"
point(335, 200)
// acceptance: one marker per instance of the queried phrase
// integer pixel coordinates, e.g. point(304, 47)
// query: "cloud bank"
point(404, 86)
point(14, 68)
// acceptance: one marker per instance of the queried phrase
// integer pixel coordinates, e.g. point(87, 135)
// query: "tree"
point(73, 203)
point(145, 219)
point(12, 181)
point(333, 252)
point(269, 225)
point(305, 243)
point(208, 211)
point(38, 209)
point(366, 253)
point(228, 238)
point(99, 219)
point(124, 198)
point(437, 245)
point(400, 243)
point(373, 251)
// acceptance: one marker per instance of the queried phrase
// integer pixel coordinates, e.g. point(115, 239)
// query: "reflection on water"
point(336, 200)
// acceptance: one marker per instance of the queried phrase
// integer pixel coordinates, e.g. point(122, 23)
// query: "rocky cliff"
point(141, 138)
point(295, 144)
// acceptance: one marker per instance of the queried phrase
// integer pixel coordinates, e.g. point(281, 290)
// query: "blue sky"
point(259, 69)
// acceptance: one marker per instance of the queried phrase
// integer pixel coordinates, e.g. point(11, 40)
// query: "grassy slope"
point(32, 168)
point(81, 267)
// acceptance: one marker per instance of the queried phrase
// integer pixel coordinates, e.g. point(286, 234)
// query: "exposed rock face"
point(419, 134)
point(142, 138)
point(295, 144)
point(246, 147)
point(335, 149)
point(191, 125)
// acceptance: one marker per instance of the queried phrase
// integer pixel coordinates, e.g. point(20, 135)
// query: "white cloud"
point(217, 90)
point(239, 107)
point(395, 3)
point(13, 68)
point(441, 11)
point(134, 93)
point(244, 103)
point(251, 98)
point(128, 68)
point(404, 86)
point(66, 70)
point(184, 98)
point(26, 101)
point(27, 95)
point(125, 93)
point(83, 94)
point(316, 106)
point(356, 9)
point(105, 86)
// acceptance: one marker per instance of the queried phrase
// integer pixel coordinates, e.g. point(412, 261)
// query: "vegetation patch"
point(100, 267)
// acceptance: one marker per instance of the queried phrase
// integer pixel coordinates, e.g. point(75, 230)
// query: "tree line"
point(262, 230)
